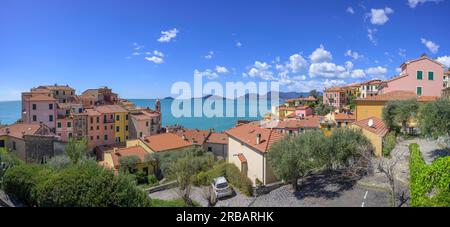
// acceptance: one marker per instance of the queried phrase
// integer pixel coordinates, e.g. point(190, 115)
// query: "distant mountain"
point(168, 98)
point(284, 95)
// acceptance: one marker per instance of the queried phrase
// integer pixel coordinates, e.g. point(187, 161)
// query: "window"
point(104, 118)
point(14, 145)
point(50, 118)
point(106, 128)
point(98, 137)
point(92, 138)
point(140, 134)
point(146, 123)
point(126, 128)
point(111, 127)
point(92, 120)
point(57, 92)
point(70, 135)
point(117, 117)
point(419, 91)
point(209, 149)
point(430, 75)
point(92, 128)
point(105, 137)
point(50, 106)
point(118, 129)
point(34, 118)
point(126, 117)
point(34, 106)
point(64, 93)
point(419, 75)
point(98, 119)
point(98, 127)
point(59, 124)
point(69, 124)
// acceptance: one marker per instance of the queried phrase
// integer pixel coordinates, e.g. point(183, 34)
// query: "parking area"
point(321, 190)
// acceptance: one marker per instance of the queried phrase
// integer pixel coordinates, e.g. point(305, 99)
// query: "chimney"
point(7, 130)
point(258, 138)
point(183, 137)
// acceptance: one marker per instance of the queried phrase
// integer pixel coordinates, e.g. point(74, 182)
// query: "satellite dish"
point(370, 123)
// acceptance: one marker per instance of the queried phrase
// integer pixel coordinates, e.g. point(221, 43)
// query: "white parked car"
point(221, 188)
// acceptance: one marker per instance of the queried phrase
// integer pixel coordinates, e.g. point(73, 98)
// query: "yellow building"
point(372, 106)
point(375, 130)
point(111, 159)
point(120, 121)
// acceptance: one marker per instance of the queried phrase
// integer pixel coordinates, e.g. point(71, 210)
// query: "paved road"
point(321, 190)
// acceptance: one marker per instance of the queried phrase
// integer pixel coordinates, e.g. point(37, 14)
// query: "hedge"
point(82, 185)
point(231, 173)
point(429, 184)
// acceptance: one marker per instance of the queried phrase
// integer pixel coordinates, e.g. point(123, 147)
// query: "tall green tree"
point(128, 164)
point(183, 171)
point(323, 109)
point(313, 93)
point(434, 118)
point(398, 113)
point(76, 150)
point(296, 157)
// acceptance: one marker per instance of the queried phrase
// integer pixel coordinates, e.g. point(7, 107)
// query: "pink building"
point(303, 111)
point(39, 108)
point(100, 128)
point(65, 127)
point(336, 97)
point(423, 76)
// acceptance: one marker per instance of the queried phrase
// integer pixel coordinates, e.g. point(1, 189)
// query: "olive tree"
point(76, 150)
point(434, 118)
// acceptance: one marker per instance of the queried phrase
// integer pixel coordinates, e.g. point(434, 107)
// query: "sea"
point(10, 112)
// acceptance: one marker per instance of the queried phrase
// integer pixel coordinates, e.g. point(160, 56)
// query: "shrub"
point(389, 143)
point(230, 172)
point(82, 185)
point(152, 180)
point(20, 182)
point(171, 203)
point(429, 185)
point(141, 177)
point(7, 160)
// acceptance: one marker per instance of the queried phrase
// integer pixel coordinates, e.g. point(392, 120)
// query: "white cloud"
point(321, 55)
point(432, 46)
point(299, 78)
point(221, 69)
point(137, 46)
point(154, 59)
point(358, 73)
point(353, 54)
point(210, 55)
point(445, 60)
point(349, 65)
point(327, 70)
point(207, 73)
point(261, 70)
point(238, 44)
point(167, 36)
point(376, 71)
point(371, 35)
point(158, 53)
point(380, 16)
point(402, 52)
point(296, 63)
point(136, 54)
point(414, 3)
point(350, 10)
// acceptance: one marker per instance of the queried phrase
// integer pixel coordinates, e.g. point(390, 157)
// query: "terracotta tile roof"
point(398, 95)
point(372, 82)
point(165, 142)
point(352, 85)
point(219, 138)
point(57, 87)
point(344, 116)
point(125, 152)
point(247, 134)
point(92, 112)
point(19, 130)
point(309, 122)
point(421, 58)
point(193, 135)
point(111, 109)
point(378, 127)
point(308, 99)
point(390, 96)
point(303, 107)
point(40, 97)
point(334, 89)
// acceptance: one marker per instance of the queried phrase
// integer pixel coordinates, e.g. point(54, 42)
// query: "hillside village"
point(120, 135)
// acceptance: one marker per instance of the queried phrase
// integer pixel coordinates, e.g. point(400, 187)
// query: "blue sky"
point(302, 44)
